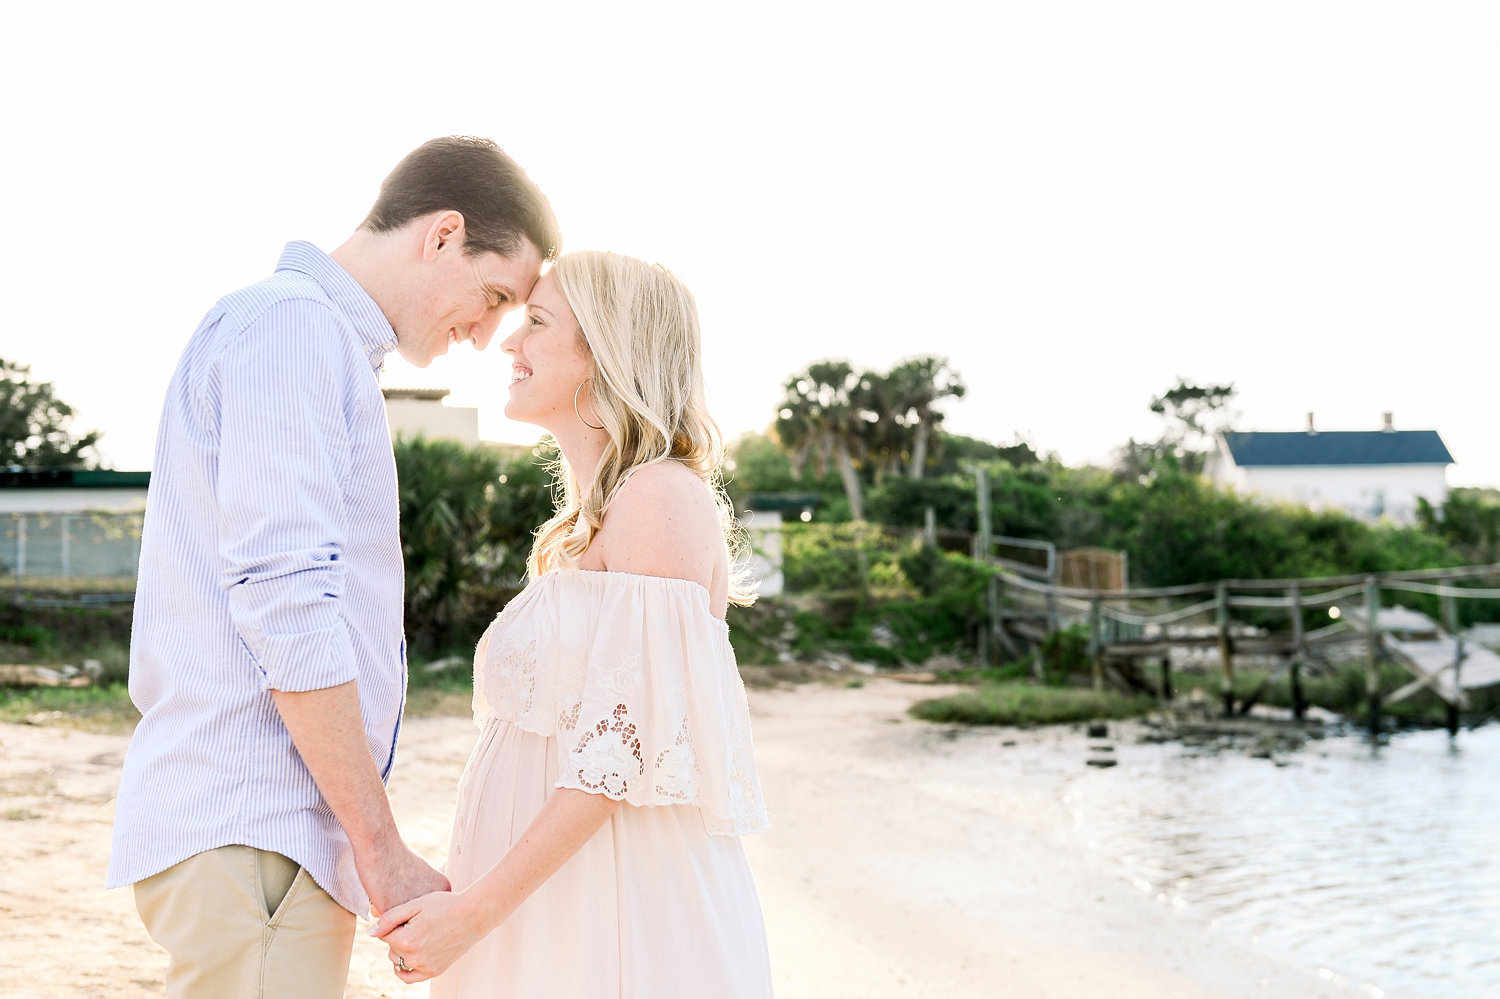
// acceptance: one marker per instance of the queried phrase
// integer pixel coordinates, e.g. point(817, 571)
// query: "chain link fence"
point(77, 545)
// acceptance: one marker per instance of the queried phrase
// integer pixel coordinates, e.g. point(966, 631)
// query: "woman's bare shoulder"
point(663, 522)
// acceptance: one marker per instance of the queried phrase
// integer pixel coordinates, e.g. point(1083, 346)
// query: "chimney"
point(1387, 424)
point(1310, 428)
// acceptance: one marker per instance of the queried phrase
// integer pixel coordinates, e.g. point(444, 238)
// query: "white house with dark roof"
point(1372, 474)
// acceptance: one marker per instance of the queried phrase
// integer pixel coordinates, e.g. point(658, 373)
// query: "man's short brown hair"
point(500, 204)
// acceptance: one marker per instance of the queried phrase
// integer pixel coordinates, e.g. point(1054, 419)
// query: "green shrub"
point(950, 609)
point(757, 632)
point(1065, 654)
point(467, 518)
point(843, 558)
point(33, 636)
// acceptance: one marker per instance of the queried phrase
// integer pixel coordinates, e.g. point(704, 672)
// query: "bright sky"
point(1073, 202)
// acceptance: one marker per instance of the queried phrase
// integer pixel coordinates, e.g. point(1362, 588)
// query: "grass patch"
point(104, 709)
point(1029, 704)
point(448, 691)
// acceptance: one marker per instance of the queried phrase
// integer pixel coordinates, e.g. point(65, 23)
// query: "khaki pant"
point(241, 923)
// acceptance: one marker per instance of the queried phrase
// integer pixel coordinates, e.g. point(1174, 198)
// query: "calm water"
point(1380, 868)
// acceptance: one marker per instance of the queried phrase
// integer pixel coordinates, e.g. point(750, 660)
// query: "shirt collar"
point(375, 333)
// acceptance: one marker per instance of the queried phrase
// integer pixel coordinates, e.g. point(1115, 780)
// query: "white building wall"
point(764, 528)
point(1366, 491)
point(431, 419)
point(71, 500)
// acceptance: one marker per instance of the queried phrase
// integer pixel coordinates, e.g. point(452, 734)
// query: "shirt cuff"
point(311, 661)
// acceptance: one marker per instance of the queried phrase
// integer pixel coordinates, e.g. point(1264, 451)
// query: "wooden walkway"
point(1447, 665)
point(1243, 617)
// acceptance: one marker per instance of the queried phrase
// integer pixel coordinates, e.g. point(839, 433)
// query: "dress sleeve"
point(640, 688)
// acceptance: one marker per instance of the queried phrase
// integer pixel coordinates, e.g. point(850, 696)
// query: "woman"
point(596, 852)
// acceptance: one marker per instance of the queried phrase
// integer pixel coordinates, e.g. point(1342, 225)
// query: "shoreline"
point(892, 867)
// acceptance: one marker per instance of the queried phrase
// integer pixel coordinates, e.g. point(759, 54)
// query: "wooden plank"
point(1480, 667)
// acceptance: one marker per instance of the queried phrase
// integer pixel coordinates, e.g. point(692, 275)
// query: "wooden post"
point(1163, 605)
point(1450, 622)
point(984, 645)
point(1299, 704)
point(1226, 652)
point(1372, 653)
point(997, 619)
point(1096, 640)
point(1458, 685)
point(929, 527)
point(982, 487)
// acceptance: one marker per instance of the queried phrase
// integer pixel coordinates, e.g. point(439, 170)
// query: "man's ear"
point(445, 231)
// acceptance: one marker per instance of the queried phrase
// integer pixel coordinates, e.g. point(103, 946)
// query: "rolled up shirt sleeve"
point(284, 460)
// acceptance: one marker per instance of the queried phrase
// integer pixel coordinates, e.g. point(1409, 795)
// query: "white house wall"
point(1367, 491)
point(764, 528)
point(432, 420)
point(71, 500)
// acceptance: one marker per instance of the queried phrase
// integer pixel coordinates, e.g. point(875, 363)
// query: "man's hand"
point(393, 874)
point(325, 727)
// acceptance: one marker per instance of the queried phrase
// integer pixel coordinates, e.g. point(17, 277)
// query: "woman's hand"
point(428, 934)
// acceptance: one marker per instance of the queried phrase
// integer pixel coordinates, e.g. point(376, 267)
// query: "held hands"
point(393, 874)
point(428, 934)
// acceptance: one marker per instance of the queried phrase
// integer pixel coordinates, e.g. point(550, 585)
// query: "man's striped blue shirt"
point(270, 560)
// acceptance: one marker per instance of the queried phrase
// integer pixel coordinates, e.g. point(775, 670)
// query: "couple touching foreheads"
point(595, 851)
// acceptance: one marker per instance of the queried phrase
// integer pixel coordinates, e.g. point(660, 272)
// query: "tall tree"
point(1194, 416)
point(883, 441)
point(36, 426)
point(1194, 413)
point(916, 387)
point(820, 417)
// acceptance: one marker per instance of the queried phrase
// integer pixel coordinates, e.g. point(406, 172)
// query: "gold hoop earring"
point(580, 415)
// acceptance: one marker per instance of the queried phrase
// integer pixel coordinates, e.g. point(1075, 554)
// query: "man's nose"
point(482, 332)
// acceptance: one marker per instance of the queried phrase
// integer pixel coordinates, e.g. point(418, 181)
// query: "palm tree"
point(820, 416)
point(883, 439)
point(915, 388)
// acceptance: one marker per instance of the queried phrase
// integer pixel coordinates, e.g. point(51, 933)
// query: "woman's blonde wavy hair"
point(639, 324)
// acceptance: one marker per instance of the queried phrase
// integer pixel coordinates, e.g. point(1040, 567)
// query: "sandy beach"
point(893, 867)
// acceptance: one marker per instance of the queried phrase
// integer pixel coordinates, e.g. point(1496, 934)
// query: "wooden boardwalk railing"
point(1126, 626)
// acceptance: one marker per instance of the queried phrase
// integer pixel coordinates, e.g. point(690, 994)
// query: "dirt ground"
point(894, 867)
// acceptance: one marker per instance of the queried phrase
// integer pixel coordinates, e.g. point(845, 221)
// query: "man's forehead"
point(514, 274)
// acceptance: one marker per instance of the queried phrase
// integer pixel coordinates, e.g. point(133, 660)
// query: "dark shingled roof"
point(71, 478)
point(1338, 447)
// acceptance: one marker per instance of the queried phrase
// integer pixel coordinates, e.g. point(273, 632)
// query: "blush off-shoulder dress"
point(624, 685)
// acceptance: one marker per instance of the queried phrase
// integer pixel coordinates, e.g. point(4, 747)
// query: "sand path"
point(895, 867)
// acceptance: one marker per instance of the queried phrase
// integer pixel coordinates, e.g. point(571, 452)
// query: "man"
point(267, 657)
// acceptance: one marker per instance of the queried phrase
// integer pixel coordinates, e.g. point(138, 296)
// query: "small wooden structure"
point(1092, 569)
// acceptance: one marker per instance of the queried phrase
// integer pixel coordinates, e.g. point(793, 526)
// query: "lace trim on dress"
point(637, 682)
